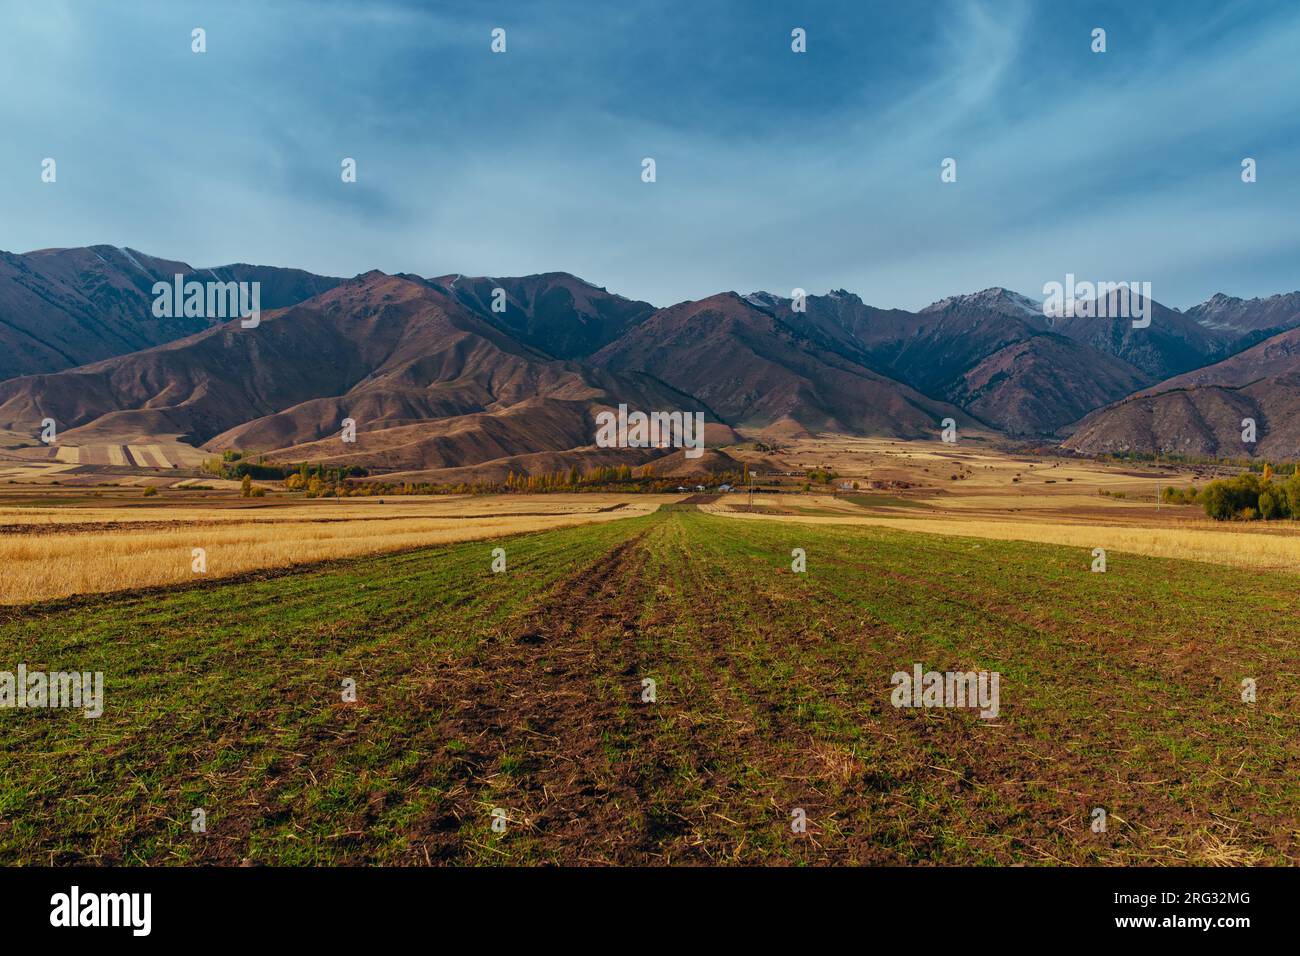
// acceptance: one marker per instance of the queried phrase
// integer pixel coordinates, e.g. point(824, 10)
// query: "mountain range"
point(457, 375)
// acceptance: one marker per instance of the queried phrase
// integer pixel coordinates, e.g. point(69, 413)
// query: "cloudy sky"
point(775, 169)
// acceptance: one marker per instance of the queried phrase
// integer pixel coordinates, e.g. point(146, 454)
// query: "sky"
point(775, 170)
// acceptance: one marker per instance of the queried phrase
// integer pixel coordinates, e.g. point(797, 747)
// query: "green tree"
point(1292, 491)
point(1217, 501)
point(1269, 507)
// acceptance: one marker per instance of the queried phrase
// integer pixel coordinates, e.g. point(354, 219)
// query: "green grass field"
point(522, 692)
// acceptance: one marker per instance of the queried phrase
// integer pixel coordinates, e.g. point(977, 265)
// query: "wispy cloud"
point(775, 169)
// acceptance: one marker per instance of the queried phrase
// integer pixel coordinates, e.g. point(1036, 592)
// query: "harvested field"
point(60, 551)
point(1257, 546)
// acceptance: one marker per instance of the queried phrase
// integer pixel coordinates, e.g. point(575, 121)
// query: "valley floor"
point(62, 540)
point(520, 695)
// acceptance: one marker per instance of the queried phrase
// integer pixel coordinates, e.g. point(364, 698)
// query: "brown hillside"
point(756, 371)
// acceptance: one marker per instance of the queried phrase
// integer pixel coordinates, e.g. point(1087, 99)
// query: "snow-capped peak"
point(764, 300)
point(996, 299)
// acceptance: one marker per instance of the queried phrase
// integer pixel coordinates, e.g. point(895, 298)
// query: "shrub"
point(1217, 501)
point(1224, 499)
point(1292, 491)
point(258, 471)
point(1180, 496)
point(1269, 507)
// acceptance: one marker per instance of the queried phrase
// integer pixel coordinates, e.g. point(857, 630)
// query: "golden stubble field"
point(911, 486)
point(55, 550)
point(1254, 546)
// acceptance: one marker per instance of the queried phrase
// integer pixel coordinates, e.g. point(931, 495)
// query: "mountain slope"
point(429, 385)
point(438, 382)
point(60, 308)
point(1173, 343)
point(758, 371)
point(1041, 384)
point(991, 353)
point(1200, 413)
point(841, 322)
point(1248, 318)
point(555, 312)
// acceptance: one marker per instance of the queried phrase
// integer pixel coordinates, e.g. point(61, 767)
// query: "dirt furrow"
point(539, 714)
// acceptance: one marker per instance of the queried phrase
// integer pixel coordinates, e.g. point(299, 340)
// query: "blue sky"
point(775, 169)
